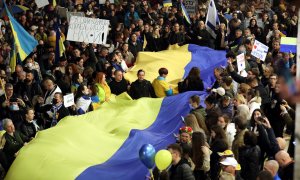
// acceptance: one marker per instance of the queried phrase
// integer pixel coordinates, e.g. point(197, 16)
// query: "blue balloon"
point(147, 154)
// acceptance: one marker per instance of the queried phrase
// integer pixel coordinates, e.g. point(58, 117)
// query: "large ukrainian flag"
point(24, 42)
point(104, 144)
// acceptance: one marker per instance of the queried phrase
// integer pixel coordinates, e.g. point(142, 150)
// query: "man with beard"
point(30, 88)
point(141, 87)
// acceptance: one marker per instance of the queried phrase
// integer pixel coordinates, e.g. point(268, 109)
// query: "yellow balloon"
point(163, 159)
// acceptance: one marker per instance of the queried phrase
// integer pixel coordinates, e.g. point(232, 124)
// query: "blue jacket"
point(127, 20)
point(277, 177)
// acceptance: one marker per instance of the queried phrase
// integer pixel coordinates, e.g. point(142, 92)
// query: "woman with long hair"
point(103, 88)
point(83, 100)
point(77, 80)
point(200, 156)
point(192, 82)
point(155, 41)
point(71, 69)
point(255, 117)
point(218, 144)
point(191, 120)
point(253, 26)
point(128, 56)
point(225, 122)
point(240, 105)
point(254, 100)
point(217, 133)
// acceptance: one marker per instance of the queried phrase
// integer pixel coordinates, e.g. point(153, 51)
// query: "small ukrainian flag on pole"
point(167, 3)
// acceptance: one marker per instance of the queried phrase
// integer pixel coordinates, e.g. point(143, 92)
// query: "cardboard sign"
point(69, 14)
point(69, 100)
point(41, 3)
point(88, 30)
point(62, 12)
point(103, 1)
point(78, 2)
point(259, 50)
point(190, 6)
point(240, 61)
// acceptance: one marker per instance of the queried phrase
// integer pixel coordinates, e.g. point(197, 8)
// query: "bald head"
point(281, 143)
point(283, 158)
point(49, 84)
point(272, 166)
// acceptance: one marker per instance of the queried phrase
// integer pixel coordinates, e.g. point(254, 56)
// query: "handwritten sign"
point(259, 50)
point(69, 100)
point(41, 3)
point(69, 14)
point(240, 60)
point(88, 30)
point(103, 1)
point(190, 6)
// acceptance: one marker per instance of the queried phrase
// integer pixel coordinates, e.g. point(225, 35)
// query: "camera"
point(13, 100)
point(261, 118)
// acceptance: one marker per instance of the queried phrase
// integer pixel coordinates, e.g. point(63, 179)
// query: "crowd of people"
point(239, 134)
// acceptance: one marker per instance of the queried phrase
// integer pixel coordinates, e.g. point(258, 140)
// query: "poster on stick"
point(103, 1)
point(259, 50)
point(88, 30)
point(190, 6)
point(240, 61)
point(41, 3)
point(69, 100)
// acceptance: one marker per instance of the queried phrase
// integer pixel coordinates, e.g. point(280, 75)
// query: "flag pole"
point(297, 120)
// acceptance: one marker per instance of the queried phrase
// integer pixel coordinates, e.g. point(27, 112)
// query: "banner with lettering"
point(88, 30)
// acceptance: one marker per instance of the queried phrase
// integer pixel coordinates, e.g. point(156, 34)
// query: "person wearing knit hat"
point(185, 134)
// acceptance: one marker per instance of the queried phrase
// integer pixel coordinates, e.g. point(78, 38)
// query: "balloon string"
point(151, 174)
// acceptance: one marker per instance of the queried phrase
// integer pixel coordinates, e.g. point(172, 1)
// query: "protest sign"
point(190, 6)
point(62, 12)
point(259, 50)
point(240, 61)
point(103, 1)
point(78, 2)
point(88, 30)
point(41, 3)
point(69, 100)
point(69, 14)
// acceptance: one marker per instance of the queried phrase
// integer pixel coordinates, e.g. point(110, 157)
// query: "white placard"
point(69, 100)
point(190, 6)
point(41, 3)
point(240, 61)
point(259, 50)
point(103, 1)
point(88, 30)
point(69, 14)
